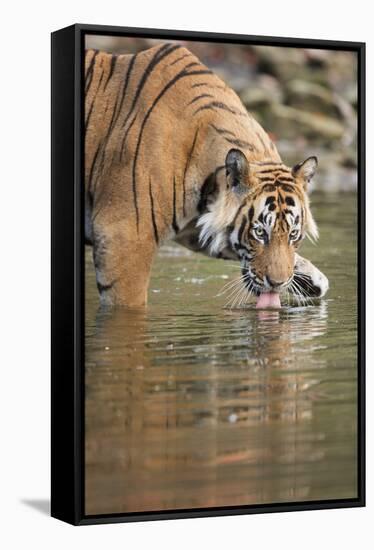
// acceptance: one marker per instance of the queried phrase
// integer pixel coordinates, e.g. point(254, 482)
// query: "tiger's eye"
point(294, 233)
point(259, 231)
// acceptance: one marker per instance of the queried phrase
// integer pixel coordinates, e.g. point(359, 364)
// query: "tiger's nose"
point(275, 283)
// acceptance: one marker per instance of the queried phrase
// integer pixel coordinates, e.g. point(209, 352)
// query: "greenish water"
point(191, 405)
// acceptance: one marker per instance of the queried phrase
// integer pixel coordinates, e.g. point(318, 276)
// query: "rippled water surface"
point(191, 405)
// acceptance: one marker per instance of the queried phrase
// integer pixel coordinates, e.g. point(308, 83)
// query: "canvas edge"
point(67, 499)
point(65, 367)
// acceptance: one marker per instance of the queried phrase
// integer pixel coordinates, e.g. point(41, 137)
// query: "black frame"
point(67, 377)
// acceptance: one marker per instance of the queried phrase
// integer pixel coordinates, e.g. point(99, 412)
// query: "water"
point(192, 405)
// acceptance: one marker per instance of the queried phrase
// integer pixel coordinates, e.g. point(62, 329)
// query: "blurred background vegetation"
point(306, 99)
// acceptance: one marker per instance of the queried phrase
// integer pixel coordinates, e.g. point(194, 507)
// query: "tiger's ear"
point(305, 170)
point(237, 171)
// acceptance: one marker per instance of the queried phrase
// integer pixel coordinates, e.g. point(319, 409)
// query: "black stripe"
point(186, 168)
point(306, 283)
point(269, 187)
point(93, 167)
point(240, 247)
point(275, 179)
point(222, 130)
point(265, 179)
point(89, 74)
point(93, 101)
point(155, 230)
point(176, 78)
point(199, 97)
point(234, 140)
point(269, 172)
point(238, 212)
point(262, 141)
point(89, 115)
point(112, 65)
point(126, 134)
point(200, 84)
point(175, 224)
point(102, 288)
point(219, 105)
point(180, 59)
point(290, 201)
point(193, 64)
point(92, 62)
point(100, 80)
point(279, 182)
point(269, 200)
point(285, 179)
point(240, 143)
point(86, 54)
point(161, 53)
point(287, 188)
point(270, 163)
point(208, 190)
point(241, 229)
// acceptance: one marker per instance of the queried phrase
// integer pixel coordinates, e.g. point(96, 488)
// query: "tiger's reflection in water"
point(178, 417)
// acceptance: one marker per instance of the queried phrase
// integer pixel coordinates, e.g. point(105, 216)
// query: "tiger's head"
point(260, 214)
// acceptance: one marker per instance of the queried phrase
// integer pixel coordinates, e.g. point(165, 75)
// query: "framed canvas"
point(207, 274)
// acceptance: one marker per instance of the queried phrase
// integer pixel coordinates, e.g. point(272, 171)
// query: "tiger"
point(172, 153)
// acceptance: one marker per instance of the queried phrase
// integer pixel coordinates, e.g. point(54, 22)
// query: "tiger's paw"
point(311, 281)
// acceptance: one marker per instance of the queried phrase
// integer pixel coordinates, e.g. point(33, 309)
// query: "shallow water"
point(191, 405)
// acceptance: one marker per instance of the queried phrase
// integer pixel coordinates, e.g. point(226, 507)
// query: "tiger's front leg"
point(123, 264)
point(309, 279)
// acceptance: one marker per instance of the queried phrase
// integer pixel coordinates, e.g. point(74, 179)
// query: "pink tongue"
point(268, 299)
